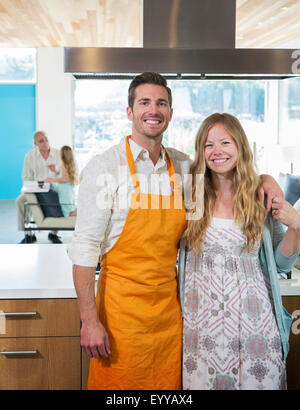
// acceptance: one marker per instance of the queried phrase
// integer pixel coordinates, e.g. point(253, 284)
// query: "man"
point(132, 331)
point(40, 163)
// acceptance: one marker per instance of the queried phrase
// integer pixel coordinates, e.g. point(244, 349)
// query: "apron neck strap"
point(133, 172)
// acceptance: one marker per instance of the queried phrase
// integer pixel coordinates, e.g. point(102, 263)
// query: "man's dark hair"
point(147, 78)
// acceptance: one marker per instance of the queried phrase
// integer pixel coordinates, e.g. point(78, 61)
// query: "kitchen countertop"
point(44, 271)
point(291, 287)
point(35, 271)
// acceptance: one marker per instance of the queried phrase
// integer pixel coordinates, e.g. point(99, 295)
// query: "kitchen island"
point(39, 320)
point(35, 271)
point(40, 332)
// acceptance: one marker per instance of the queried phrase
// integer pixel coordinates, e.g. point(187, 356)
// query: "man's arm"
point(94, 338)
point(270, 188)
point(56, 162)
point(27, 173)
point(64, 178)
point(54, 168)
point(285, 213)
point(84, 250)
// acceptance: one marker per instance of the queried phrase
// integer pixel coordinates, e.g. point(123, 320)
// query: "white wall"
point(54, 97)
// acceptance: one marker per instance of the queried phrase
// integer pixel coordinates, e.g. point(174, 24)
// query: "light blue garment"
point(273, 262)
point(66, 196)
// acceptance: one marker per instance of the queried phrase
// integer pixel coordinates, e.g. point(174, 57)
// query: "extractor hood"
point(185, 39)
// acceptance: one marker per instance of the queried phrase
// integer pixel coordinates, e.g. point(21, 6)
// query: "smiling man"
point(150, 111)
point(132, 330)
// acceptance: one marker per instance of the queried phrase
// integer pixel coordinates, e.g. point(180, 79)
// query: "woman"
point(67, 182)
point(235, 327)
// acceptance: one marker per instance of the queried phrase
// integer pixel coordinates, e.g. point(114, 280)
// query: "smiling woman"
point(234, 254)
point(220, 152)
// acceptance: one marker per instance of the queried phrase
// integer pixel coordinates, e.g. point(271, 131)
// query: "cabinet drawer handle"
point(19, 352)
point(8, 314)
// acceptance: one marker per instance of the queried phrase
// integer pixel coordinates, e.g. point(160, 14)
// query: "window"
point(290, 112)
point(17, 65)
point(289, 125)
point(101, 120)
point(195, 100)
point(100, 116)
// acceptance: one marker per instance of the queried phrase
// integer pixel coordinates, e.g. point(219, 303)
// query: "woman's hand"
point(48, 180)
point(284, 212)
point(53, 168)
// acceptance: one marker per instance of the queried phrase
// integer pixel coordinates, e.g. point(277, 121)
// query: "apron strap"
point(131, 164)
point(133, 172)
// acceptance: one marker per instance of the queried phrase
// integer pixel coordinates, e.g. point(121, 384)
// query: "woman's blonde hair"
point(248, 210)
point(67, 157)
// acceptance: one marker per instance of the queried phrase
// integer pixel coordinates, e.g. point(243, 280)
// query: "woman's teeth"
point(219, 161)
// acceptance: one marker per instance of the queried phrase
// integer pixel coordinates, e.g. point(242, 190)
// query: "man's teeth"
point(152, 122)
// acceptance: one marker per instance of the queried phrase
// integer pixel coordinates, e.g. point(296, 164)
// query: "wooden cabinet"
point(40, 345)
point(292, 305)
point(47, 363)
point(40, 317)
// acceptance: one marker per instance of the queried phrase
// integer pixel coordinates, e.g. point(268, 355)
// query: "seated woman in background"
point(67, 181)
point(235, 327)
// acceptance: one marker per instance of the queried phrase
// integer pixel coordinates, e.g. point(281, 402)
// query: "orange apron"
point(137, 296)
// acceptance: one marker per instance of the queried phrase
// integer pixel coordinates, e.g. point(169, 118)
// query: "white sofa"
point(42, 223)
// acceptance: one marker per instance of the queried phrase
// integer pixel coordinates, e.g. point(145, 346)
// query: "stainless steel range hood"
point(185, 39)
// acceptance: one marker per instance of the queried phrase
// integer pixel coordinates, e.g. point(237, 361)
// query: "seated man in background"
point(40, 163)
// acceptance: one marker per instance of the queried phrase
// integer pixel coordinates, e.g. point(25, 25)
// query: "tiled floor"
point(9, 229)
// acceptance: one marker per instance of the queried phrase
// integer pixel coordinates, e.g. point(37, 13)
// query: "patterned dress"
point(231, 339)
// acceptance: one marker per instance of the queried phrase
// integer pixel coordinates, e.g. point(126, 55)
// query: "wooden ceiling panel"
point(118, 23)
point(73, 23)
point(267, 23)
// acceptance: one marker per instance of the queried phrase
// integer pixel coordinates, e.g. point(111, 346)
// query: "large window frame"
point(264, 151)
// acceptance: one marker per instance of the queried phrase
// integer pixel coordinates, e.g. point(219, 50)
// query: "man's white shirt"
point(104, 196)
point(36, 166)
